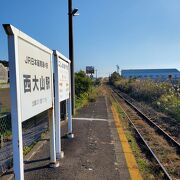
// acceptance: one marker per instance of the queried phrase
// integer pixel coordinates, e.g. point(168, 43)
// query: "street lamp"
point(72, 12)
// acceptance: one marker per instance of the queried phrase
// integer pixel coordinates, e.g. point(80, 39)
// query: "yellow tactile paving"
point(130, 159)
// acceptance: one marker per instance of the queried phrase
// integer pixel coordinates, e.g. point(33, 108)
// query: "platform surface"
point(94, 154)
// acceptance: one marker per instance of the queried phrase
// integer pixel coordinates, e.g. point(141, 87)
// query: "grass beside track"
point(86, 97)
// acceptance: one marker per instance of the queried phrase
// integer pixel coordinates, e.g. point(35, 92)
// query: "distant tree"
point(98, 81)
point(83, 83)
point(114, 77)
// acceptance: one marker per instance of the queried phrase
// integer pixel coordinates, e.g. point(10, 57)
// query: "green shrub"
point(170, 104)
point(85, 90)
point(83, 83)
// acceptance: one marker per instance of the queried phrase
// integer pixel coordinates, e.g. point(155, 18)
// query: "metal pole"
point(53, 162)
point(69, 116)
point(71, 54)
point(69, 108)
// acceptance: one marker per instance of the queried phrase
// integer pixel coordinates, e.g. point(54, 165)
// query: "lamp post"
point(117, 66)
point(72, 12)
point(96, 73)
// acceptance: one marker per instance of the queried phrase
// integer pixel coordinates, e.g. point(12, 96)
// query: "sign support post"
point(53, 162)
point(69, 107)
point(15, 108)
point(52, 126)
point(59, 153)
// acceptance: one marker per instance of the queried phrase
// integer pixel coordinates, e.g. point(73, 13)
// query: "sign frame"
point(57, 56)
point(16, 116)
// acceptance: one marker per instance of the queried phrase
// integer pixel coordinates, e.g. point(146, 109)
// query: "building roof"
point(5, 63)
point(151, 71)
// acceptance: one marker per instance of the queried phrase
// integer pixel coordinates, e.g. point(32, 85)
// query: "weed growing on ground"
point(27, 149)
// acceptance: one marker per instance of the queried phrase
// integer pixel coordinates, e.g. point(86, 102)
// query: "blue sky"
point(130, 33)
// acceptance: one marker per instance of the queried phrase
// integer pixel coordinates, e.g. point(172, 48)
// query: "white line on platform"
point(90, 119)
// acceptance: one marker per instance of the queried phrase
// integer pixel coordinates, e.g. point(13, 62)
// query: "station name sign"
point(33, 74)
point(63, 73)
point(31, 89)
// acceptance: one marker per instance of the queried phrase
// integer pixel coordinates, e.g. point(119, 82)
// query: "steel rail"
point(166, 174)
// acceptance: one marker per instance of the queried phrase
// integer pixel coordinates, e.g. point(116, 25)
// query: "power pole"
point(71, 12)
point(96, 73)
point(117, 68)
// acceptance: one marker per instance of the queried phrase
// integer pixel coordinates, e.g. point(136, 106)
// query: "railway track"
point(161, 147)
point(169, 125)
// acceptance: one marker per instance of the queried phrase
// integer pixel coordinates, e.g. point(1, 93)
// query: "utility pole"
point(96, 73)
point(117, 68)
point(71, 12)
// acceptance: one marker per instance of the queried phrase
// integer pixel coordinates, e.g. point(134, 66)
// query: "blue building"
point(163, 74)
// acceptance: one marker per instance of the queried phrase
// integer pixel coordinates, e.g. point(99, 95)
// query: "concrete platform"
point(94, 154)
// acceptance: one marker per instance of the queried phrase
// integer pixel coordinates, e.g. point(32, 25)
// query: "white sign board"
point(63, 76)
point(35, 75)
point(64, 83)
point(35, 79)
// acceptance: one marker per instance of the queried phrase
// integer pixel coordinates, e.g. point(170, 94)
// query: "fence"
point(32, 132)
point(5, 127)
